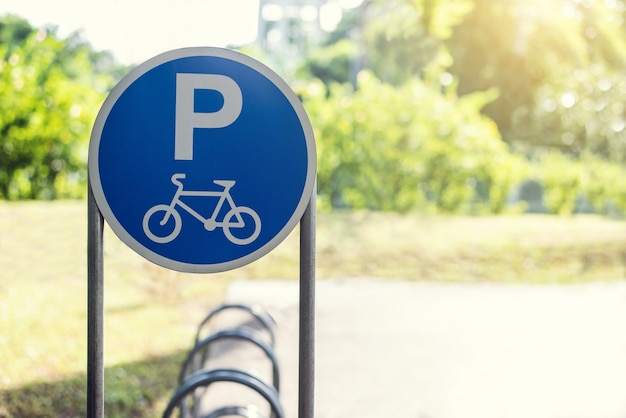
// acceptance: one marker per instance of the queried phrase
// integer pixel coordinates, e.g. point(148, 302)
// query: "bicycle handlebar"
point(177, 177)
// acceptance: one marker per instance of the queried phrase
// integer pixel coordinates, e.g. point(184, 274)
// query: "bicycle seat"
point(225, 183)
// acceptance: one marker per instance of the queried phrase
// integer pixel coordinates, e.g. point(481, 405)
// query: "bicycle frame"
point(210, 223)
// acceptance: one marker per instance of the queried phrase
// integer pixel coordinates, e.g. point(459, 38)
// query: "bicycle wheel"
point(162, 223)
point(248, 232)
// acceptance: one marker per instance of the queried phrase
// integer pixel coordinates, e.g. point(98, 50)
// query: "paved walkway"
point(423, 350)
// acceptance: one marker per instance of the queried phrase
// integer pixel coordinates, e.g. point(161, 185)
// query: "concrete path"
point(424, 350)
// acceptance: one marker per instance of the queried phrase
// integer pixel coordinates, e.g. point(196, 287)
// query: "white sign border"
point(111, 100)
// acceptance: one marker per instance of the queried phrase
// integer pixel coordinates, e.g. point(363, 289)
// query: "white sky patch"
point(139, 29)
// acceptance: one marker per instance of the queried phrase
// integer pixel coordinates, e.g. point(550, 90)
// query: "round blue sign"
point(202, 160)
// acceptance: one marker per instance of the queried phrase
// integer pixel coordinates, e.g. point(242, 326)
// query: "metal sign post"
point(95, 309)
point(307, 312)
point(192, 126)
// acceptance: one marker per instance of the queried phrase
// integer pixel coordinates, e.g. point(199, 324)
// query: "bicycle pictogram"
point(155, 221)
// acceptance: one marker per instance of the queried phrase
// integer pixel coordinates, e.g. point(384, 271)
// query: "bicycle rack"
point(203, 347)
point(206, 378)
point(265, 319)
point(236, 411)
point(194, 377)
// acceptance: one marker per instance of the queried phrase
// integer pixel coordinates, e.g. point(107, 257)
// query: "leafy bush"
point(567, 179)
point(604, 185)
point(561, 177)
point(50, 91)
point(413, 147)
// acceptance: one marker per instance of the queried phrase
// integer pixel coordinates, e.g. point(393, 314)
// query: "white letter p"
point(187, 118)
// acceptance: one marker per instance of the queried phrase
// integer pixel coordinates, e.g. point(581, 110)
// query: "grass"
point(151, 313)
point(537, 248)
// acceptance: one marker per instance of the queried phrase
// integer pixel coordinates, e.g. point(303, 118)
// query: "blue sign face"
point(202, 160)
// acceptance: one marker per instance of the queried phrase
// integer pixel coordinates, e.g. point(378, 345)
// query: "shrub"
point(415, 147)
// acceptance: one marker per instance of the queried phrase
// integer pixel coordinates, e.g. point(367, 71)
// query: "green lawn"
point(151, 313)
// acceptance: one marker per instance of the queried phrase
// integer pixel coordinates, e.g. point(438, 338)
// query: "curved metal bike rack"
point(245, 334)
point(206, 378)
point(235, 411)
point(193, 377)
point(264, 318)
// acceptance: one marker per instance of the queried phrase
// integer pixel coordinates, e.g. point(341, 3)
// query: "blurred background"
point(459, 141)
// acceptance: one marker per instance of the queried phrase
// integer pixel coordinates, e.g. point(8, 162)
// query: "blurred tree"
point(405, 38)
point(14, 30)
point(332, 63)
point(339, 58)
point(559, 68)
point(50, 90)
point(386, 148)
point(400, 138)
point(396, 39)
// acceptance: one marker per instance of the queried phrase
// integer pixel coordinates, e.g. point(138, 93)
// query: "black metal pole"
point(307, 312)
point(95, 312)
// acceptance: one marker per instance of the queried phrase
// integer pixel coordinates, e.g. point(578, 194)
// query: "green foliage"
point(366, 156)
point(578, 114)
point(386, 148)
point(604, 184)
point(404, 38)
point(559, 67)
point(333, 63)
point(50, 93)
point(397, 40)
point(566, 180)
point(549, 74)
point(561, 178)
point(13, 30)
